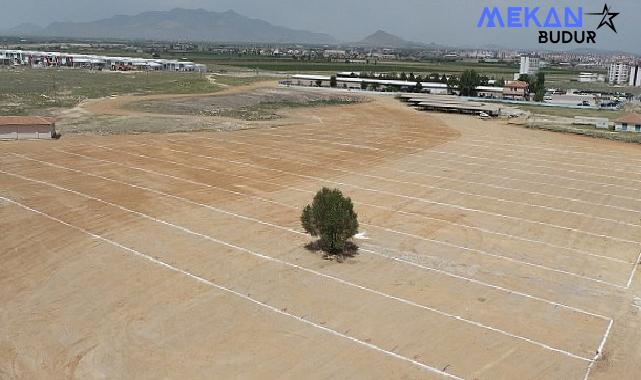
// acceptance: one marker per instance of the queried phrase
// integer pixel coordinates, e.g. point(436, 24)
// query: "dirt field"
point(490, 252)
point(256, 105)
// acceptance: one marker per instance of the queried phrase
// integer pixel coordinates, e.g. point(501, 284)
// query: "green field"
point(629, 137)
point(291, 65)
point(572, 112)
point(37, 91)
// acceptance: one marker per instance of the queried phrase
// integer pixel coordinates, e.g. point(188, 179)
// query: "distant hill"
point(183, 25)
point(382, 39)
point(24, 29)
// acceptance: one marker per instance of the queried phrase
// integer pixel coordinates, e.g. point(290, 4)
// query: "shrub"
point(331, 217)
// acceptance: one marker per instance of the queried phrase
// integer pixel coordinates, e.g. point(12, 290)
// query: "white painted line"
point(443, 272)
point(515, 237)
point(450, 190)
point(610, 156)
point(449, 274)
point(238, 294)
point(634, 271)
point(536, 193)
point(435, 241)
point(485, 144)
point(515, 154)
point(489, 254)
point(504, 178)
point(424, 164)
point(304, 269)
point(491, 232)
point(299, 156)
point(529, 151)
point(416, 154)
point(599, 351)
point(419, 199)
point(485, 284)
point(467, 157)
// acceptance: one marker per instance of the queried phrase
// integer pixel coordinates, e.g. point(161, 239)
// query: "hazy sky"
point(450, 22)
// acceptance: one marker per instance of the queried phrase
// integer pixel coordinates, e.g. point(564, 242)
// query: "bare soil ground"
point(255, 105)
point(490, 252)
point(236, 107)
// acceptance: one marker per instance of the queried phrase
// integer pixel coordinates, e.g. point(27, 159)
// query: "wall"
point(21, 132)
point(630, 127)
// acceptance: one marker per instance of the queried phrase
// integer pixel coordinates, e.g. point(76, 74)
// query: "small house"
point(628, 123)
point(27, 127)
point(515, 90)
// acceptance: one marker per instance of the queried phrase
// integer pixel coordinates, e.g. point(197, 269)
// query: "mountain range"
point(382, 39)
point(195, 25)
point(177, 25)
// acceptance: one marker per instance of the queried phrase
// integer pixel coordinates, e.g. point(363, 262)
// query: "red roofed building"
point(515, 90)
point(27, 127)
point(628, 123)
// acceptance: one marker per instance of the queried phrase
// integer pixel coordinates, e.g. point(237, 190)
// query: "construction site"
point(485, 250)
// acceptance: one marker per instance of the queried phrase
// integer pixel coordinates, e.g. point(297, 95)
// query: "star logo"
point(607, 18)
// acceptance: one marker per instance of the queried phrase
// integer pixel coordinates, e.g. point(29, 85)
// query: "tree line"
point(466, 84)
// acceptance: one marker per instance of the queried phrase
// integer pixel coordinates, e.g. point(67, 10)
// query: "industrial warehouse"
point(95, 62)
point(513, 90)
point(449, 104)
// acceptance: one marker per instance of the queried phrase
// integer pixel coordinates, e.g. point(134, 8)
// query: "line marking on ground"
point(311, 271)
point(419, 199)
point(449, 274)
point(464, 156)
point(464, 193)
point(233, 292)
point(458, 143)
point(298, 155)
point(301, 233)
point(634, 270)
point(435, 241)
point(599, 351)
point(585, 253)
point(485, 146)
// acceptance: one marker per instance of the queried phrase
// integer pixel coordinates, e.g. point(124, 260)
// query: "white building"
point(59, 59)
point(635, 76)
point(529, 65)
point(628, 123)
point(308, 80)
point(334, 53)
point(619, 73)
point(27, 127)
point(590, 77)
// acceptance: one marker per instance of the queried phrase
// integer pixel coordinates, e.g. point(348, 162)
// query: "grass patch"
point(231, 80)
point(629, 137)
point(572, 112)
point(35, 91)
point(288, 64)
point(268, 110)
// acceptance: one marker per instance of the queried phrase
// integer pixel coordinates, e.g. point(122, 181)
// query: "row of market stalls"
point(96, 62)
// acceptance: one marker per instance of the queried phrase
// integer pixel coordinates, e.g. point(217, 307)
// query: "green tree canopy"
point(331, 217)
point(470, 79)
